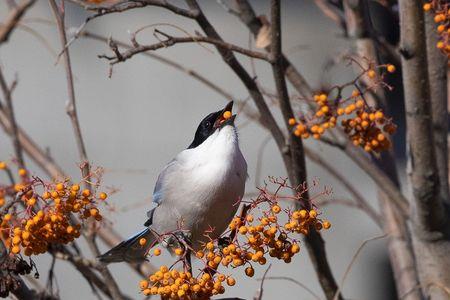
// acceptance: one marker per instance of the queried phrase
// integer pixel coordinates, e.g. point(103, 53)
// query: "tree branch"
point(297, 169)
point(7, 91)
point(13, 18)
point(358, 198)
point(431, 242)
point(59, 15)
point(437, 77)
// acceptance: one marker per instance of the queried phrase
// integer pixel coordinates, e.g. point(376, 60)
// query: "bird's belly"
point(207, 209)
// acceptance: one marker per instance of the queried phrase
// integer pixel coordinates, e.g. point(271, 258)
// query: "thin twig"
point(12, 119)
point(360, 201)
point(349, 267)
point(13, 18)
point(171, 40)
point(59, 15)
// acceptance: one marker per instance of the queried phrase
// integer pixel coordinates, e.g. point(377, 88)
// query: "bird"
point(196, 194)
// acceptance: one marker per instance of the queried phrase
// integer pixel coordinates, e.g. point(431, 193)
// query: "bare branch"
point(431, 242)
point(437, 74)
point(358, 198)
point(297, 170)
point(170, 41)
point(72, 112)
point(349, 267)
point(7, 91)
point(13, 18)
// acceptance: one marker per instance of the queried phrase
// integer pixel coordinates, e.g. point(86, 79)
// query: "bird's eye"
point(208, 124)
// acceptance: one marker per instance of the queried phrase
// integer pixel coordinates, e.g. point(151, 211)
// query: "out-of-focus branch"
point(297, 169)
point(249, 18)
point(430, 237)
point(437, 74)
point(429, 212)
point(190, 72)
point(53, 170)
point(13, 18)
point(71, 105)
point(360, 202)
point(86, 270)
point(170, 41)
point(332, 12)
point(360, 27)
point(59, 15)
point(266, 116)
point(124, 5)
point(7, 91)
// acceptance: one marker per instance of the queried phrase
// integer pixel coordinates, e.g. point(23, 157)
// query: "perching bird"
point(198, 191)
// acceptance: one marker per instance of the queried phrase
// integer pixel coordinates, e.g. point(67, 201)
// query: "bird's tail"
point(134, 249)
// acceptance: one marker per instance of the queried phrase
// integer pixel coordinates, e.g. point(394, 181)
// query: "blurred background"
point(136, 121)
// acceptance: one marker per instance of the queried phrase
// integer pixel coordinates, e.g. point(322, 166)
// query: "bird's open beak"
point(223, 119)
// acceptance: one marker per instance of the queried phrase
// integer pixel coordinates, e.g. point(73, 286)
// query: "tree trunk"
point(431, 242)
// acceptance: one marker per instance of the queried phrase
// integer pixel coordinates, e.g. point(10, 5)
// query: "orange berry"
point(142, 241)
point(143, 284)
point(227, 115)
point(295, 248)
point(371, 73)
point(379, 115)
point(427, 6)
point(86, 193)
point(326, 224)
point(359, 104)
point(75, 188)
point(22, 172)
point(16, 240)
point(31, 201)
point(292, 121)
point(7, 217)
point(3, 165)
point(59, 187)
point(312, 214)
point(439, 18)
point(440, 45)
point(103, 196)
point(276, 209)
point(179, 251)
point(249, 271)
point(93, 212)
point(157, 252)
point(46, 195)
point(231, 281)
point(15, 249)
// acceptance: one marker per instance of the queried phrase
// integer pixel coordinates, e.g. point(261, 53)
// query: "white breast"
point(203, 193)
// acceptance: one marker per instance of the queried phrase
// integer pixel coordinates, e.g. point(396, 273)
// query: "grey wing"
point(158, 192)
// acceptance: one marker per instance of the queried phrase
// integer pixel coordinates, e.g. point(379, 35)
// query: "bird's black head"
point(210, 124)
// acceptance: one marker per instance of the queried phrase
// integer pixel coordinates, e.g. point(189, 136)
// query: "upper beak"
point(221, 121)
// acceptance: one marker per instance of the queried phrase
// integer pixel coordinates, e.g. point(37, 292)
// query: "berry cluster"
point(182, 285)
point(48, 216)
point(366, 126)
point(369, 128)
point(441, 12)
point(250, 240)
